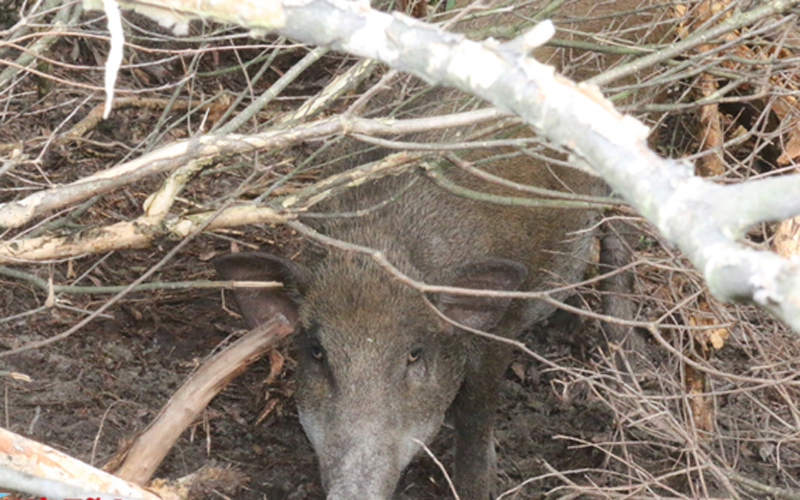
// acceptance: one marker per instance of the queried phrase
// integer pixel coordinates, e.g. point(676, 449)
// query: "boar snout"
point(362, 457)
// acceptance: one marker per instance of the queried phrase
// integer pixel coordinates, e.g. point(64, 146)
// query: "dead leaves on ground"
point(755, 56)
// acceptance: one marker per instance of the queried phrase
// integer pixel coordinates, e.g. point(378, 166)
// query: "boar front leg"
point(474, 412)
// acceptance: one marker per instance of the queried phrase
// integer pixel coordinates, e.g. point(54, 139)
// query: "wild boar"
point(378, 368)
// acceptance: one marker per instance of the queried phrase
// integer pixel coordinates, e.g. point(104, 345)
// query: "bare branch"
point(28, 466)
point(17, 213)
point(578, 117)
point(141, 460)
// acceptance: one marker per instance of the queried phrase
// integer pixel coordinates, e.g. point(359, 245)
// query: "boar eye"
point(317, 352)
point(414, 355)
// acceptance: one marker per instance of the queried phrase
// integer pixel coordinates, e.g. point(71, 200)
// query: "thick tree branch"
point(574, 116)
point(144, 456)
point(31, 467)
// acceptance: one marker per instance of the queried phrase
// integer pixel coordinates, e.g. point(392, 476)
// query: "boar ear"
point(260, 304)
point(479, 312)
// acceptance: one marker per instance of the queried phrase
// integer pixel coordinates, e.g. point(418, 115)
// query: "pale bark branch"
point(574, 116)
point(144, 456)
point(138, 233)
point(168, 158)
point(31, 467)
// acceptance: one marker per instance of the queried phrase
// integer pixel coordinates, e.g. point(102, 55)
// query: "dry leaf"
point(702, 411)
point(718, 337)
point(792, 148)
point(787, 238)
point(276, 361)
point(268, 407)
point(205, 257)
point(519, 370)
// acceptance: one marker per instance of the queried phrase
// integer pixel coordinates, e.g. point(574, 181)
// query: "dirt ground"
point(707, 413)
point(98, 388)
point(92, 392)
